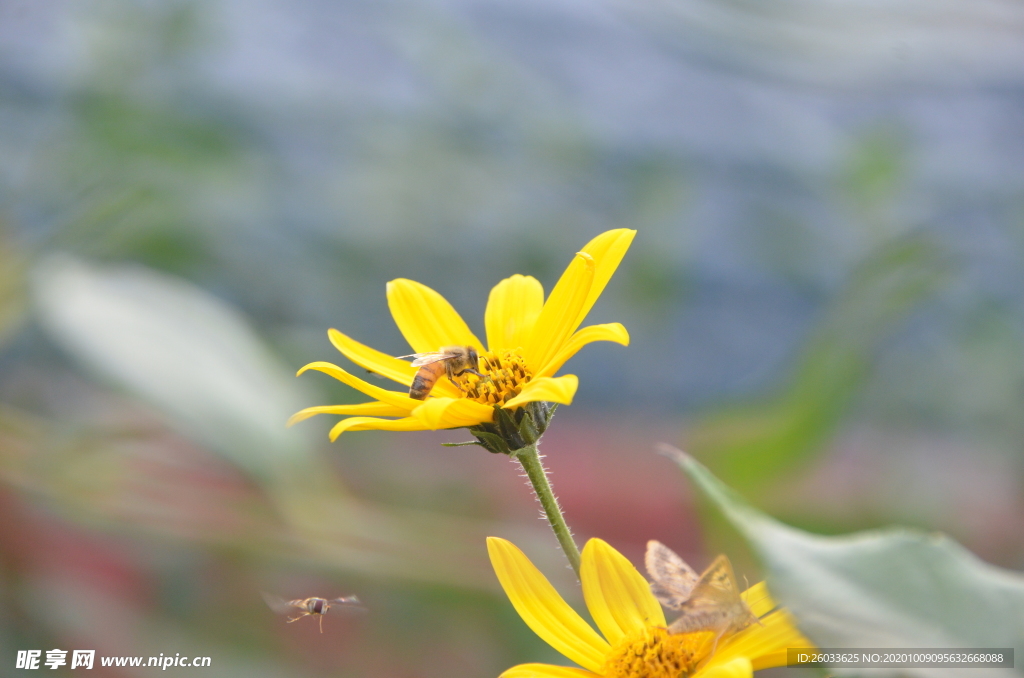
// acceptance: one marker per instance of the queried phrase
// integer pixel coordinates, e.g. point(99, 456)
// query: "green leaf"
point(191, 356)
point(750, 443)
point(882, 588)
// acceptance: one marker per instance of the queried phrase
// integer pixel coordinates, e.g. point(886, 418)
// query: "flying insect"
point(306, 607)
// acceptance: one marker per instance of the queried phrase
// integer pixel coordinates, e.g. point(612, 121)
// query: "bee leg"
point(321, 623)
point(470, 370)
point(458, 385)
point(295, 619)
point(451, 374)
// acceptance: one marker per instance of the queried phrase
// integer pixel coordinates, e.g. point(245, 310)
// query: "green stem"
point(529, 457)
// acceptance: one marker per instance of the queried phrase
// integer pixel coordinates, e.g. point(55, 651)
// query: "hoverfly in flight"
point(304, 607)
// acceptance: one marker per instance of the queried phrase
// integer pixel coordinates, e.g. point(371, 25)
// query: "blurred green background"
point(825, 298)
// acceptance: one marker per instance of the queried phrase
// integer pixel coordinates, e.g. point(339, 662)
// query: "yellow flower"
point(528, 340)
point(636, 643)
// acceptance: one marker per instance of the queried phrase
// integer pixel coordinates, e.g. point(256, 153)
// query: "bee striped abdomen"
point(425, 379)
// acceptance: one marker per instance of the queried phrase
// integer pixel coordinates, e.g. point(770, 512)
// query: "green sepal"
point(508, 427)
point(513, 430)
point(528, 429)
point(492, 442)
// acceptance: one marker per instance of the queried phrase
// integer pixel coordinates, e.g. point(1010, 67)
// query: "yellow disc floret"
point(504, 375)
point(656, 653)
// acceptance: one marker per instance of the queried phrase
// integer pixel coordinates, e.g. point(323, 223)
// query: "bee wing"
point(279, 604)
point(715, 602)
point(673, 578)
point(421, 359)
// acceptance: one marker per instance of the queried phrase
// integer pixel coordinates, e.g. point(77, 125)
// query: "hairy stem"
point(529, 457)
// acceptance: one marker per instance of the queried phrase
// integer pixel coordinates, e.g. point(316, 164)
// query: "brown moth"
point(709, 602)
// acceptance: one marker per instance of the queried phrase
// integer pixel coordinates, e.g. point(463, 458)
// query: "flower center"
point(504, 375)
point(656, 653)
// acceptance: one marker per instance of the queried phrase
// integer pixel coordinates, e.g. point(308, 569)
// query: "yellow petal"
point(374, 424)
point(512, 310)
point(373, 360)
point(426, 319)
point(607, 250)
point(764, 643)
point(564, 310)
point(401, 400)
point(548, 389)
point(758, 599)
point(740, 667)
point(608, 332)
point(618, 597)
point(543, 610)
point(546, 671)
point(383, 364)
point(776, 658)
point(557, 320)
point(780, 632)
point(374, 409)
point(438, 413)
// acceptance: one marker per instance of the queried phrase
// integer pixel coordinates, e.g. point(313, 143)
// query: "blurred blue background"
point(825, 297)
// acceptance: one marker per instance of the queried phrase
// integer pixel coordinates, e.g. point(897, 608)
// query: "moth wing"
point(715, 602)
point(719, 579)
point(673, 578)
point(278, 604)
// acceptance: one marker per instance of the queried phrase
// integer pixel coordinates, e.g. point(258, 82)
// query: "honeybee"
point(309, 606)
point(449, 360)
point(710, 601)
